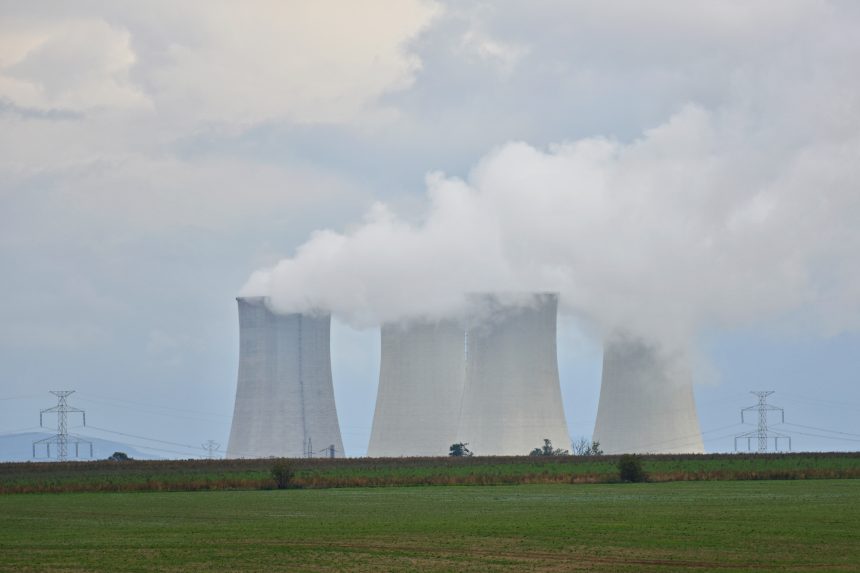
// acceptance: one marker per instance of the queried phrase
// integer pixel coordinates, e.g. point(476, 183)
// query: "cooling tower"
point(646, 401)
point(512, 397)
point(284, 395)
point(421, 375)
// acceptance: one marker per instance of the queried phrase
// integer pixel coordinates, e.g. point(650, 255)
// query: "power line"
point(157, 406)
point(154, 448)
point(19, 430)
point(146, 438)
point(153, 409)
point(163, 450)
point(827, 437)
point(720, 429)
point(823, 430)
point(688, 439)
point(820, 402)
point(167, 442)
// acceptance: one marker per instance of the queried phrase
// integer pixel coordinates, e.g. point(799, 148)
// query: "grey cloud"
point(9, 108)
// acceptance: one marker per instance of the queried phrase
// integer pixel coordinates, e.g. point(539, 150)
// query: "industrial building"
point(646, 400)
point(284, 395)
point(421, 377)
point(512, 396)
point(491, 381)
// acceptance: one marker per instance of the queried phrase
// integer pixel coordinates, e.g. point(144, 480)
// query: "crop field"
point(787, 525)
point(192, 475)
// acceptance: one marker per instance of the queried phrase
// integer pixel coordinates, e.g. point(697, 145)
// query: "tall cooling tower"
point(284, 395)
point(646, 401)
point(512, 397)
point(420, 385)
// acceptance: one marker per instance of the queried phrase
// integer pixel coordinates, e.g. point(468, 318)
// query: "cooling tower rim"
point(513, 293)
point(264, 301)
point(255, 298)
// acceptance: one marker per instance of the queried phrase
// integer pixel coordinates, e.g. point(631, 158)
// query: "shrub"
point(630, 469)
point(283, 474)
point(547, 450)
point(459, 450)
point(584, 447)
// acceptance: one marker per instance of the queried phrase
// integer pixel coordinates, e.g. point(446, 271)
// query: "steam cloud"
point(714, 218)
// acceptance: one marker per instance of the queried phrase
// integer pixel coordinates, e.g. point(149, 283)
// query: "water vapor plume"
point(701, 221)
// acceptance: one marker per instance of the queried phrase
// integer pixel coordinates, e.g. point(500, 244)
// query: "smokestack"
point(646, 401)
point(512, 398)
point(284, 395)
point(421, 376)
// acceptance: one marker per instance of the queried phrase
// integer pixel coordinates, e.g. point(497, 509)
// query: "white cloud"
point(662, 236)
point(307, 62)
point(214, 62)
point(76, 64)
point(504, 56)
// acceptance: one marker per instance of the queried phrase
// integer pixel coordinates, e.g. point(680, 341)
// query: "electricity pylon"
point(61, 438)
point(762, 434)
point(211, 446)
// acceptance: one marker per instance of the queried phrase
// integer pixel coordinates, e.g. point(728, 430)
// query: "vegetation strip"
point(194, 475)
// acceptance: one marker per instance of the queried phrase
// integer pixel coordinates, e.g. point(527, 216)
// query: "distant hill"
point(19, 448)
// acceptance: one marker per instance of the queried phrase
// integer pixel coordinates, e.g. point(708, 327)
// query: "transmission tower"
point(211, 446)
point(328, 451)
point(62, 439)
point(762, 434)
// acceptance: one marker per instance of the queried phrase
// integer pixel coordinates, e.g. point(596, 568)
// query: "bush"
point(459, 450)
point(547, 450)
point(283, 474)
point(630, 469)
point(584, 447)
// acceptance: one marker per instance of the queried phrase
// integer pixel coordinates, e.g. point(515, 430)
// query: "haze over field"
point(687, 171)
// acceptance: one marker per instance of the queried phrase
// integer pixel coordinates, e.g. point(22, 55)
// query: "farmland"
point(192, 475)
point(796, 525)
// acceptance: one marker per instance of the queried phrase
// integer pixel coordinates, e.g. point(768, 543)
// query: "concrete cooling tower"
point(284, 396)
point(512, 397)
point(492, 383)
point(421, 376)
point(646, 401)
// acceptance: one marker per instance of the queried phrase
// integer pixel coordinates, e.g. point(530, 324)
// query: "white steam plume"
point(708, 219)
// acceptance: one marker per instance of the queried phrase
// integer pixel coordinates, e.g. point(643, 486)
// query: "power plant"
point(512, 397)
point(646, 401)
point(421, 377)
point(489, 379)
point(491, 382)
point(284, 395)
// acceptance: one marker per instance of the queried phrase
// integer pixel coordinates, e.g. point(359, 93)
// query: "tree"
point(630, 469)
point(459, 450)
point(282, 473)
point(583, 447)
point(547, 450)
point(119, 457)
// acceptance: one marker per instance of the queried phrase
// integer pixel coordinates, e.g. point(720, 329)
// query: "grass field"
point(190, 475)
point(708, 525)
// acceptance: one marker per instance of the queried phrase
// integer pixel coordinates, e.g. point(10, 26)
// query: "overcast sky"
point(686, 170)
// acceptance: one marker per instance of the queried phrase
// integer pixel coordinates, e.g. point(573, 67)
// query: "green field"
point(743, 526)
point(191, 475)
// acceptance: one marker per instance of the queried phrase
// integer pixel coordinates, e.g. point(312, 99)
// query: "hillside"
point(19, 448)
